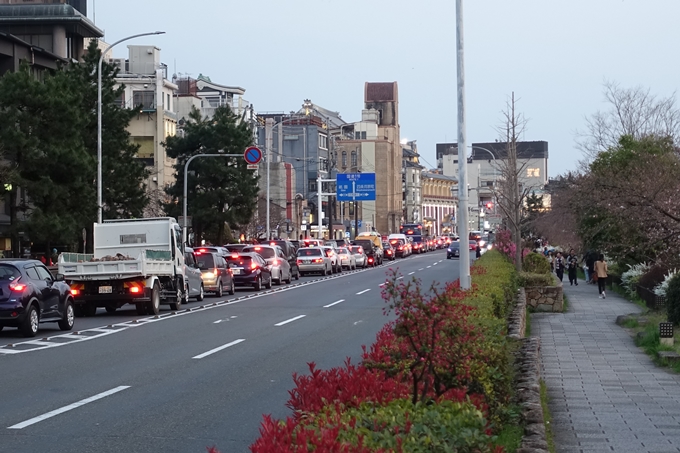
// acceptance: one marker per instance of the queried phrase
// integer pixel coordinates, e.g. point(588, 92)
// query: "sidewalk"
point(605, 394)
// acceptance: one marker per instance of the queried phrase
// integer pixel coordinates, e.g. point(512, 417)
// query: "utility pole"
point(465, 280)
point(331, 199)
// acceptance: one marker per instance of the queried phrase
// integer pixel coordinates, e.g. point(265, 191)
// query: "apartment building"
point(440, 197)
point(411, 182)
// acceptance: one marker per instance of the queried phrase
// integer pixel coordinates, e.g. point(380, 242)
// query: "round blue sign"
point(253, 155)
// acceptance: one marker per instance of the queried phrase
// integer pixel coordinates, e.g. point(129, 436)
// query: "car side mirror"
point(59, 278)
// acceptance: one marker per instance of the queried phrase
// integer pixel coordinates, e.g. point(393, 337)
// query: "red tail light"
point(370, 260)
point(275, 263)
point(75, 292)
point(254, 266)
point(135, 289)
point(17, 287)
point(318, 260)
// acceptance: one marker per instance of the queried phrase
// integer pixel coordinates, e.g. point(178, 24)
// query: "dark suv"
point(30, 295)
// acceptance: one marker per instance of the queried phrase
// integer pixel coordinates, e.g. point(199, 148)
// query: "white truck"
point(136, 261)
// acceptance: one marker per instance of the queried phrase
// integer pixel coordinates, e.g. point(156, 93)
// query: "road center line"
point(411, 273)
point(68, 408)
point(334, 303)
point(290, 320)
point(429, 267)
point(421, 269)
point(225, 346)
point(361, 292)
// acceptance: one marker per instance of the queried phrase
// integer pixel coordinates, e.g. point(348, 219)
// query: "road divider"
point(218, 349)
point(70, 407)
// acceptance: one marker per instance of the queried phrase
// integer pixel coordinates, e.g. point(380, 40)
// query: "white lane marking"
point(334, 303)
point(434, 264)
point(364, 291)
point(411, 273)
point(218, 321)
point(61, 410)
point(421, 269)
point(290, 320)
point(429, 267)
point(399, 278)
point(224, 346)
point(358, 322)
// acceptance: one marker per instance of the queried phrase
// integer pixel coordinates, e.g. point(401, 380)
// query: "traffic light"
point(489, 205)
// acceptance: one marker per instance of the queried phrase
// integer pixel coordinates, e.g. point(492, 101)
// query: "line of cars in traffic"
point(475, 240)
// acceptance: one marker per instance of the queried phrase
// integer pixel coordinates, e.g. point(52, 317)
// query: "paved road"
point(606, 395)
point(197, 378)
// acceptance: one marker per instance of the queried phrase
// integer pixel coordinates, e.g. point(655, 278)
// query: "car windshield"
point(356, 250)
point(455, 245)
point(309, 252)
point(417, 238)
point(205, 261)
point(8, 272)
point(343, 251)
point(265, 252)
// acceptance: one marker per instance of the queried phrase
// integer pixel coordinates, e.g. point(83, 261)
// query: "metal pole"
point(99, 117)
point(356, 209)
point(269, 125)
point(318, 194)
point(465, 281)
point(184, 198)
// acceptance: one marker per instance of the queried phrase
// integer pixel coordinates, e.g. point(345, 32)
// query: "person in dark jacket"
point(559, 266)
point(590, 265)
point(572, 266)
point(478, 252)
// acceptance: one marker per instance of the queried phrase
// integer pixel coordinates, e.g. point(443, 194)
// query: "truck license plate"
point(105, 290)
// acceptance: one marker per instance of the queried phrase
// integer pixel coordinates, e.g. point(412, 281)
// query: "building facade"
point(147, 87)
point(411, 182)
point(439, 203)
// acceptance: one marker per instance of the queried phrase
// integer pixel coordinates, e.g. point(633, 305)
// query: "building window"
point(311, 185)
point(145, 99)
point(323, 141)
point(533, 172)
point(120, 101)
point(354, 158)
point(344, 158)
point(168, 106)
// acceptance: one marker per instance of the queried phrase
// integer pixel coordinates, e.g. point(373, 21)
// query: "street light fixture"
point(99, 116)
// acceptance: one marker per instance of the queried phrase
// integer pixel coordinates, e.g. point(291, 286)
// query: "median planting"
point(437, 378)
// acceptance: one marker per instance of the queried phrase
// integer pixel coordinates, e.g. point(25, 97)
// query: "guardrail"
point(653, 301)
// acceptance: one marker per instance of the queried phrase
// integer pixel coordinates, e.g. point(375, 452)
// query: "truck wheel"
point(201, 294)
point(67, 321)
point(90, 309)
point(141, 309)
point(153, 307)
point(290, 277)
point(176, 306)
point(268, 285)
point(29, 328)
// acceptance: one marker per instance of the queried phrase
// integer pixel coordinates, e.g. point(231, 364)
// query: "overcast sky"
point(555, 56)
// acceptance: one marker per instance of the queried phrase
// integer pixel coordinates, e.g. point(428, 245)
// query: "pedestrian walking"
point(572, 266)
point(601, 270)
point(559, 266)
point(590, 266)
point(551, 260)
point(478, 252)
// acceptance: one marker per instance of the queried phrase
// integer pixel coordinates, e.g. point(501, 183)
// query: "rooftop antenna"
point(94, 11)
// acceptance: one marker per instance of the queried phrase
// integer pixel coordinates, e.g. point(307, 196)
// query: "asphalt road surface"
point(200, 377)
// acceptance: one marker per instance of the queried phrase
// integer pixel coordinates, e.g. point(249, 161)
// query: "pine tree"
point(221, 190)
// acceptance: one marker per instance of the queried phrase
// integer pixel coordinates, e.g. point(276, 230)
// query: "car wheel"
point(232, 288)
point(201, 294)
point(268, 285)
point(290, 277)
point(29, 328)
point(329, 271)
point(299, 274)
point(141, 309)
point(67, 321)
point(279, 280)
point(220, 290)
point(153, 307)
point(111, 309)
point(258, 284)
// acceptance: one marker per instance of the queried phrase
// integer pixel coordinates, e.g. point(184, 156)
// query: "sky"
point(554, 56)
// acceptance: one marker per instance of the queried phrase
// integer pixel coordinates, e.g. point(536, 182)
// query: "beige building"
point(375, 148)
point(440, 198)
point(147, 87)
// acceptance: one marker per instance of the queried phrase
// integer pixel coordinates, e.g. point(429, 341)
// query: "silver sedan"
point(347, 259)
point(360, 257)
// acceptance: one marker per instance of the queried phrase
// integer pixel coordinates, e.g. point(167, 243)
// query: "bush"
point(653, 276)
point(673, 300)
point(536, 263)
point(630, 278)
point(661, 288)
point(527, 279)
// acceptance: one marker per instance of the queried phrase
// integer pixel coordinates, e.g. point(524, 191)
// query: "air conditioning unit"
point(119, 63)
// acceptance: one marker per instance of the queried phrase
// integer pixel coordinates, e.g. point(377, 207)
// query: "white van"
point(401, 244)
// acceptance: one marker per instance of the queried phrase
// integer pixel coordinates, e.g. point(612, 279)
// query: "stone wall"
point(529, 397)
point(517, 321)
point(545, 298)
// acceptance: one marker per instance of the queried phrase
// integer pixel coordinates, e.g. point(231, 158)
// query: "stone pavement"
point(606, 395)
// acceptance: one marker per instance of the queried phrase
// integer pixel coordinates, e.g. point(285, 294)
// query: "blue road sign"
point(360, 223)
point(252, 155)
point(355, 186)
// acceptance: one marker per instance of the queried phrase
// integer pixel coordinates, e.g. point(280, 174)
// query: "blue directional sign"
point(355, 187)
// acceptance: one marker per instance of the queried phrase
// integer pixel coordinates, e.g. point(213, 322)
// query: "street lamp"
point(99, 116)
point(495, 171)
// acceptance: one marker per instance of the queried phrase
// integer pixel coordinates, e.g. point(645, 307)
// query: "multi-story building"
point(147, 87)
point(486, 162)
point(376, 145)
point(411, 182)
point(206, 96)
point(439, 203)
